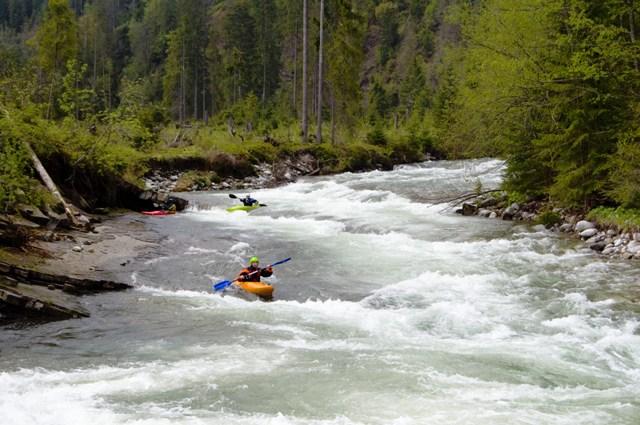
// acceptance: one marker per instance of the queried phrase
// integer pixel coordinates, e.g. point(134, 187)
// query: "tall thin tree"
point(305, 60)
point(319, 99)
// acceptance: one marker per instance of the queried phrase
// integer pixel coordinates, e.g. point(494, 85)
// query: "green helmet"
point(254, 260)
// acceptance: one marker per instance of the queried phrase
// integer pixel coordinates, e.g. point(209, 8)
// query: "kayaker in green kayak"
point(253, 272)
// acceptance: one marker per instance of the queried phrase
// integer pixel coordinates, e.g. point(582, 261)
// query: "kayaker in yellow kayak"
point(253, 272)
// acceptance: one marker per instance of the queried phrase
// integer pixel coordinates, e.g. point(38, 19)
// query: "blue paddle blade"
point(282, 261)
point(222, 285)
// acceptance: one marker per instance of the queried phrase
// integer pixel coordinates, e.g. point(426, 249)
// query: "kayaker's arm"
point(266, 272)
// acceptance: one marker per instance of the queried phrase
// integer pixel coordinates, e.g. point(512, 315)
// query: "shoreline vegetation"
point(124, 102)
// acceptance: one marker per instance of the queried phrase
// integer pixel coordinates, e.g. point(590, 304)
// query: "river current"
point(393, 311)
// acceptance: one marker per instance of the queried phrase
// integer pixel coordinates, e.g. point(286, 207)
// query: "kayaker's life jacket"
point(248, 201)
point(247, 276)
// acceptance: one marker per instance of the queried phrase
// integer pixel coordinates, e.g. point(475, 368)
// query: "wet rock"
point(33, 214)
point(633, 247)
point(566, 227)
point(77, 248)
point(510, 212)
point(609, 249)
point(19, 300)
point(469, 209)
point(484, 212)
point(611, 232)
point(493, 215)
point(598, 237)
point(584, 225)
point(636, 237)
point(598, 246)
point(588, 233)
point(488, 202)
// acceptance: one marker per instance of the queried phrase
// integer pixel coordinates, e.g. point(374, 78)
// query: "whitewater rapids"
point(393, 311)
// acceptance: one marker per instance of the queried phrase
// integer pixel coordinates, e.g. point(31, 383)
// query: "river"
point(393, 311)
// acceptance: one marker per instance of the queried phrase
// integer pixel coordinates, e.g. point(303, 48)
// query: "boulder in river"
point(469, 209)
point(584, 225)
point(587, 233)
point(510, 212)
point(598, 246)
point(566, 227)
point(633, 247)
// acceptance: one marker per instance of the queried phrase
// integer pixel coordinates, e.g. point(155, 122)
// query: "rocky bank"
point(608, 241)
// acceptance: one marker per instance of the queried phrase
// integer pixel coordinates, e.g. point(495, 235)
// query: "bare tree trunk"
point(295, 72)
point(204, 97)
point(320, 66)
point(46, 179)
point(333, 118)
point(305, 60)
point(632, 30)
point(195, 94)
point(182, 94)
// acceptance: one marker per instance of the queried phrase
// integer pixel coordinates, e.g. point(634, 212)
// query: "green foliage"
point(56, 40)
point(549, 219)
point(386, 15)
point(75, 100)
point(15, 183)
point(625, 174)
point(376, 136)
point(626, 219)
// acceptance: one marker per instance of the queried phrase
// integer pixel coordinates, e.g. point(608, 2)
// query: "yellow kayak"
point(260, 289)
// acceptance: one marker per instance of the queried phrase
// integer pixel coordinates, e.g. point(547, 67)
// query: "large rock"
point(598, 246)
point(469, 209)
point(510, 212)
point(484, 212)
point(633, 247)
point(584, 225)
point(489, 202)
point(566, 227)
point(588, 233)
point(33, 214)
point(19, 300)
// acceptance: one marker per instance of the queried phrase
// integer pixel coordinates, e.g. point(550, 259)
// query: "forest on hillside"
point(552, 86)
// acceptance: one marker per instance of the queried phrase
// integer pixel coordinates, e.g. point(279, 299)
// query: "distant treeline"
point(550, 85)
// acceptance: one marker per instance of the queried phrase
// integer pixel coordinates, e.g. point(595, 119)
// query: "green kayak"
point(243, 208)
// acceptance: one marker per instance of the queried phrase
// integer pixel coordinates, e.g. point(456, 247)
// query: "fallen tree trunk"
point(46, 179)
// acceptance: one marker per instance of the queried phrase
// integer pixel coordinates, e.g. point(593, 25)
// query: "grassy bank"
point(624, 219)
point(95, 162)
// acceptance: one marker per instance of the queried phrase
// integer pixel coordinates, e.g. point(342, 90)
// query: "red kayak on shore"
point(158, 212)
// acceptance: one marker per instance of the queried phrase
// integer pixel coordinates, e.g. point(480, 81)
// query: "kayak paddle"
point(222, 285)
